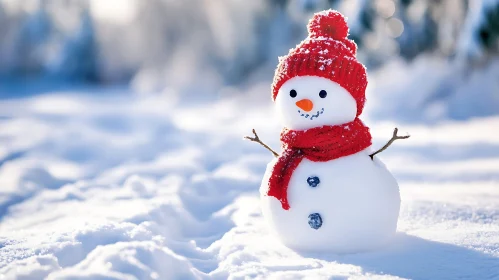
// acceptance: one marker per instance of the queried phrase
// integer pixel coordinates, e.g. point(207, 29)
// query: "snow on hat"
point(327, 53)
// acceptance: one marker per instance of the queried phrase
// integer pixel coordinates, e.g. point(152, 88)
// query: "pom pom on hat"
point(331, 24)
point(328, 23)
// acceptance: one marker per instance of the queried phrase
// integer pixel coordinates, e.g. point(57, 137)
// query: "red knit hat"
point(327, 53)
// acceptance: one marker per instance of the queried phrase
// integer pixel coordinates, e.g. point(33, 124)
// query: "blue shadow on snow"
point(417, 258)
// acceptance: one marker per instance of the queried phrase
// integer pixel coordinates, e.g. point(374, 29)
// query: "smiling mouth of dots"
point(306, 115)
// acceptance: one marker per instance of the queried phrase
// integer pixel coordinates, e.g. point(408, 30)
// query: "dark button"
point(313, 181)
point(315, 220)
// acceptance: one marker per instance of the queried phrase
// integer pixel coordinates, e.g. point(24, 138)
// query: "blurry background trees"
point(446, 49)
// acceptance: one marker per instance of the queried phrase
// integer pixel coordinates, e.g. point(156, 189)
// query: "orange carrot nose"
point(305, 104)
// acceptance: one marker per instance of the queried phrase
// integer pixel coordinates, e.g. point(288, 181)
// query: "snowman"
point(326, 191)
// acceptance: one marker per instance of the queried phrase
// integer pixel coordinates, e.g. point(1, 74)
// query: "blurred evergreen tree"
point(77, 58)
point(488, 31)
point(419, 35)
point(479, 38)
point(280, 3)
point(3, 37)
point(31, 41)
point(363, 22)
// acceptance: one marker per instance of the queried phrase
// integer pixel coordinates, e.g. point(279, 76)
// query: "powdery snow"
point(104, 186)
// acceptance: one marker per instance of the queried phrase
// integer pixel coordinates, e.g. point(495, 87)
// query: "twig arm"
point(394, 137)
point(257, 140)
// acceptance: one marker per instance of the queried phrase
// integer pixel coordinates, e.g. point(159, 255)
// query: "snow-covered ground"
point(120, 186)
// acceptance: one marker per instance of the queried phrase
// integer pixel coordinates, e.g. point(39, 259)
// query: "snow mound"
point(123, 188)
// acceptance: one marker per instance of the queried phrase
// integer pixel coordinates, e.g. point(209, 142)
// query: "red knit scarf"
point(317, 144)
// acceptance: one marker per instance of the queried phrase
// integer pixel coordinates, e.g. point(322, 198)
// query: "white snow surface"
point(117, 186)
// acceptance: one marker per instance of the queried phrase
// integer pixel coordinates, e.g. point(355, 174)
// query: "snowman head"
point(320, 82)
point(305, 102)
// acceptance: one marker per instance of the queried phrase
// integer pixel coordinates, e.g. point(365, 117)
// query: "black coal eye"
point(292, 93)
point(323, 94)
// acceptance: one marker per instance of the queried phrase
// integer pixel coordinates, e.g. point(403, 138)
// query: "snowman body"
point(345, 205)
point(350, 204)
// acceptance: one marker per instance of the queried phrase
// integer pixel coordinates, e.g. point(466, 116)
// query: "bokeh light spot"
point(385, 8)
point(394, 27)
